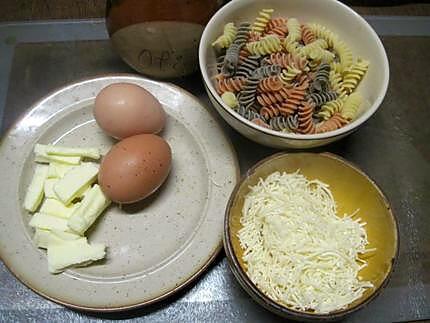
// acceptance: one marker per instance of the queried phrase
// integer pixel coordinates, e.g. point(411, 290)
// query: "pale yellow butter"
point(48, 187)
point(43, 238)
point(77, 252)
point(48, 222)
point(43, 157)
point(92, 153)
point(35, 190)
point(92, 205)
point(57, 208)
point(57, 170)
point(75, 182)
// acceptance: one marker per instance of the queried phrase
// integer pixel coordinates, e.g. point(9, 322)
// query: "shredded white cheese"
point(297, 250)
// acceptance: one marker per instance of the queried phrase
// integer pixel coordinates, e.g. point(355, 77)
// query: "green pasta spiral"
point(268, 44)
point(351, 106)
point(226, 39)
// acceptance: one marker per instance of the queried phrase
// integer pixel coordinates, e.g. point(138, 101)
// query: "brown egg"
point(125, 109)
point(135, 167)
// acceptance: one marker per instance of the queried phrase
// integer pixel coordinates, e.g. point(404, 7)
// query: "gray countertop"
point(392, 147)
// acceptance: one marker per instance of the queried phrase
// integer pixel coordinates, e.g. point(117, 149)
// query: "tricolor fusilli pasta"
point(289, 76)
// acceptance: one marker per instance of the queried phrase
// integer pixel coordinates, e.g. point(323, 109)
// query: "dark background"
point(13, 10)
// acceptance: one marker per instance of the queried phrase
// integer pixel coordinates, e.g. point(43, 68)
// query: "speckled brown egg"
point(125, 109)
point(135, 167)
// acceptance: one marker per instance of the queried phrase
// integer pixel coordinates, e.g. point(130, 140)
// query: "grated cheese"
point(297, 250)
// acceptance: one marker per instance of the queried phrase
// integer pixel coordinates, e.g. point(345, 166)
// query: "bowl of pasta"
point(310, 236)
point(293, 74)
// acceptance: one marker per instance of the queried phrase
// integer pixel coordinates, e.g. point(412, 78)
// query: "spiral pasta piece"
point(320, 55)
point(246, 97)
point(288, 74)
point(266, 45)
point(233, 84)
point(243, 53)
point(247, 113)
point(308, 36)
point(284, 60)
point(262, 20)
point(305, 121)
point(344, 53)
point(321, 79)
point(323, 32)
point(277, 26)
point(267, 70)
point(226, 39)
point(354, 75)
point(270, 111)
point(285, 124)
point(330, 108)
point(333, 123)
point(269, 98)
point(247, 66)
point(231, 60)
point(292, 47)
point(254, 36)
point(242, 33)
point(270, 84)
point(351, 106)
point(320, 98)
point(294, 30)
point(335, 80)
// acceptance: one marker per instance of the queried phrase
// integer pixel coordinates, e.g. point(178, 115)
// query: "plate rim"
point(180, 286)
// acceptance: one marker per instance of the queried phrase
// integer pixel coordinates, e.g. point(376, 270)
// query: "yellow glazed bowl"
point(352, 190)
point(346, 23)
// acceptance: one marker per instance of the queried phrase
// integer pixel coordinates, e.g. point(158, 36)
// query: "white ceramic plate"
point(154, 247)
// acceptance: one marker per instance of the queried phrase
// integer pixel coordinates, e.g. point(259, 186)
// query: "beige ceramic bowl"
point(351, 189)
point(350, 27)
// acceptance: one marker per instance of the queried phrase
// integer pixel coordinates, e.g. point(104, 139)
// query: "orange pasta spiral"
point(296, 95)
point(333, 123)
point(270, 84)
point(277, 26)
point(306, 124)
point(268, 98)
point(288, 107)
point(308, 35)
point(254, 36)
point(270, 111)
point(231, 84)
point(285, 60)
point(243, 53)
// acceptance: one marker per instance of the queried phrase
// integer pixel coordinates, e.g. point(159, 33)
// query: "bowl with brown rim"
point(352, 189)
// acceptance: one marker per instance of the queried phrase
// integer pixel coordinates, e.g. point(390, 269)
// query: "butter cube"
point(43, 157)
point(35, 191)
point(42, 238)
point(57, 208)
point(75, 182)
point(92, 153)
point(77, 252)
point(57, 170)
point(92, 205)
point(48, 187)
point(48, 222)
